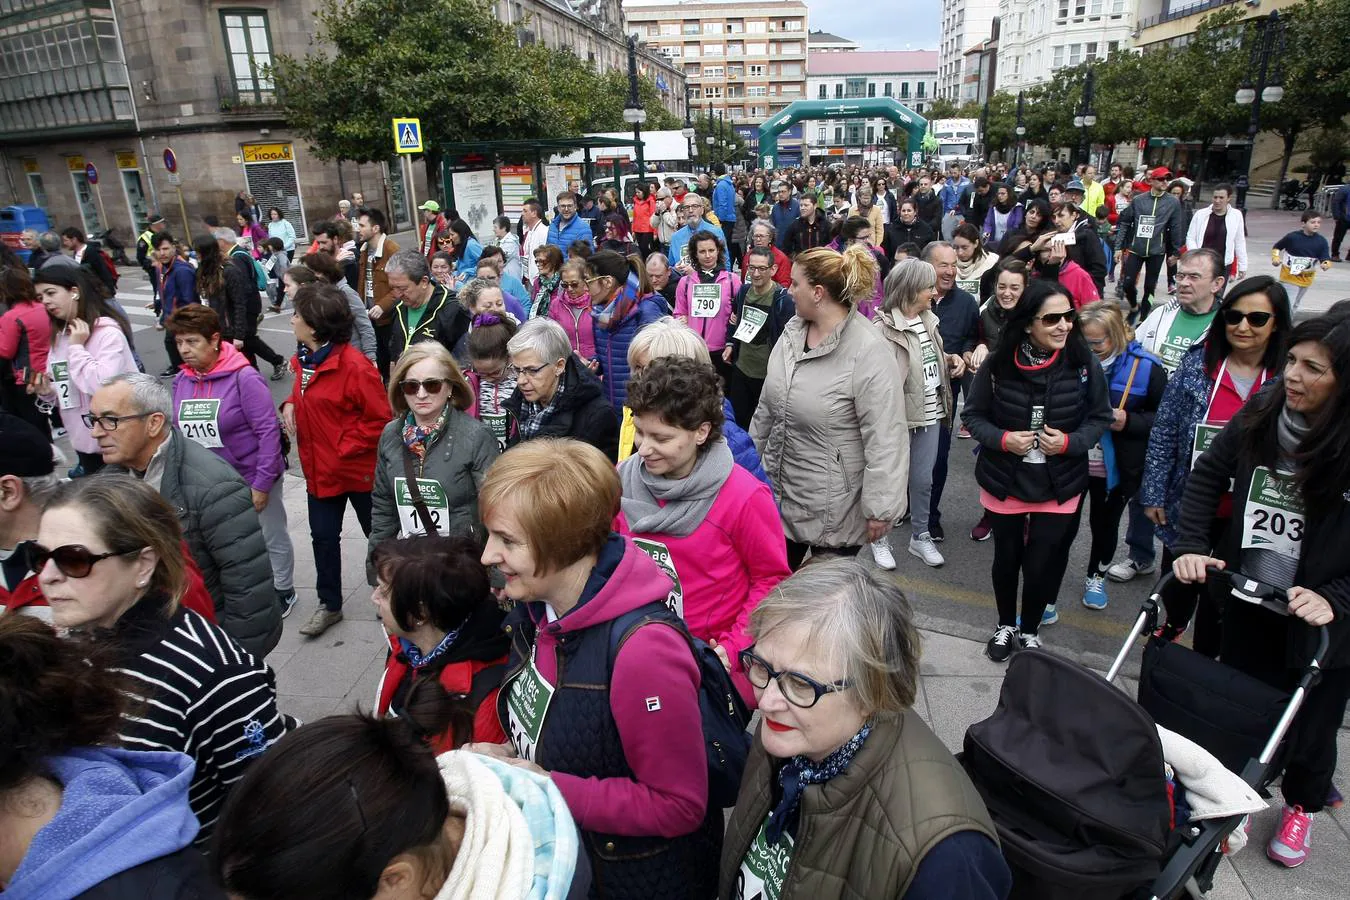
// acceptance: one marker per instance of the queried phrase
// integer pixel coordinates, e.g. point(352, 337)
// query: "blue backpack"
point(724, 714)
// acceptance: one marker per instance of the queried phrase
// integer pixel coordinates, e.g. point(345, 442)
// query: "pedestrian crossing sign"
point(408, 135)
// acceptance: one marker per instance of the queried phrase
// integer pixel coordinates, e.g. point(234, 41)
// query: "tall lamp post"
point(688, 130)
point(984, 131)
point(1020, 129)
point(710, 141)
point(1087, 117)
point(1267, 45)
point(633, 113)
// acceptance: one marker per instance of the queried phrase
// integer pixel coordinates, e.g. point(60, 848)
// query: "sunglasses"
point(73, 560)
point(1050, 320)
point(573, 285)
point(430, 385)
point(1234, 317)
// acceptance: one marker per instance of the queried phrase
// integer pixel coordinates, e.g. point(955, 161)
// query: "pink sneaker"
point(1289, 847)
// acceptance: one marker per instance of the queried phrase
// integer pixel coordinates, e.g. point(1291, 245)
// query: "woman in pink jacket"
point(711, 525)
point(696, 305)
point(571, 308)
point(91, 342)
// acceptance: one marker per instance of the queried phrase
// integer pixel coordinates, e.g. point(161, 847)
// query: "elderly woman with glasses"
point(835, 668)
point(764, 236)
point(433, 456)
point(556, 394)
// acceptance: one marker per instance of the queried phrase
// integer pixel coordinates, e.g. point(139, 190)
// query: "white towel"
point(1212, 791)
point(496, 857)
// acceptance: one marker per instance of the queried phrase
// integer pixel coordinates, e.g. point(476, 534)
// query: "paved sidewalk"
point(339, 671)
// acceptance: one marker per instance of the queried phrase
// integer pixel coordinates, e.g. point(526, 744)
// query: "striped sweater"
point(199, 693)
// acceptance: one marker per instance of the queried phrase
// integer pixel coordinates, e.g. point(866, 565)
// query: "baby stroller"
point(1072, 770)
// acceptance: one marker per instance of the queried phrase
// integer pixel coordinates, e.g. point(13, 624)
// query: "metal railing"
point(1173, 14)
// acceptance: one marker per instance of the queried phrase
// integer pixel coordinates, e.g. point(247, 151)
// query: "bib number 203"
point(1280, 524)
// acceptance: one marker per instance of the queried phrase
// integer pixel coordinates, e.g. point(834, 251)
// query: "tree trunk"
point(432, 160)
point(1290, 138)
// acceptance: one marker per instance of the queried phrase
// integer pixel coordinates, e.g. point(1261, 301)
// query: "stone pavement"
point(339, 672)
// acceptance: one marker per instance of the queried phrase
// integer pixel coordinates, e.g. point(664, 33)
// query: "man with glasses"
point(1149, 231)
point(760, 310)
point(692, 208)
point(1168, 333)
point(426, 310)
point(131, 417)
point(568, 226)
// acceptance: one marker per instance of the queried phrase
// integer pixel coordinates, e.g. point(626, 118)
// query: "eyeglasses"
point(1234, 317)
point(110, 423)
point(800, 690)
point(573, 285)
point(527, 372)
point(1050, 320)
point(430, 385)
point(759, 268)
point(73, 560)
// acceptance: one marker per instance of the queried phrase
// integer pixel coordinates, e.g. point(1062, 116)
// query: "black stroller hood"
point(1072, 771)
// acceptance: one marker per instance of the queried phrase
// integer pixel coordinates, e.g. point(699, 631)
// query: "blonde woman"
point(830, 426)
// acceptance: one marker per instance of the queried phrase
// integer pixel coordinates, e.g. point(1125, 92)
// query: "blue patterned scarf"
point(799, 772)
point(415, 657)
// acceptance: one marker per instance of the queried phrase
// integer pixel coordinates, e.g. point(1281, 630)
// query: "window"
point(736, 48)
point(670, 52)
point(871, 135)
point(1112, 47)
point(1079, 8)
point(790, 70)
point(921, 87)
point(824, 93)
point(756, 27)
point(1075, 54)
point(713, 93)
point(790, 48)
point(756, 49)
point(871, 88)
point(691, 71)
point(904, 90)
point(1095, 8)
point(854, 136)
point(1063, 12)
point(887, 91)
point(854, 87)
point(1057, 61)
point(249, 46)
point(712, 71)
point(758, 71)
point(820, 137)
point(712, 27)
point(756, 91)
point(691, 28)
point(668, 30)
point(792, 25)
point(691, 51)
point(838, 134)
point(735, 71)
point(1090, 53)
point(734, 92)
point(918, 108)
point(758, 112)
point(736, 27)
point(839, 92)
point(791, 89)
point(1017, 65)
point(1117, 8)
point(712, 49)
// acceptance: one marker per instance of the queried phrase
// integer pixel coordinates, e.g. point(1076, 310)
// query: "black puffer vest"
point(1066, 392)
point(581, 738)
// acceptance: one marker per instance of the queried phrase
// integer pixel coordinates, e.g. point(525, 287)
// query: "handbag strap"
point(1125, 395)
point(416, 494)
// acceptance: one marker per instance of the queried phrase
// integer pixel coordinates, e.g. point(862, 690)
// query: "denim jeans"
point(325, 531)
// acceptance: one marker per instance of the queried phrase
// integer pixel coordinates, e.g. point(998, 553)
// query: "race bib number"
point(527, 703)
point(970, 286)
point(661, 554)
point(199, 420)
point(932, 374)
point(752, 320)
point(1173, 350)
point(705, 300)
point(433, 495)
point(61, 384)
point(1204, 436)
point(1300, 264)
point(499, 426)
point(306, 375)
point(1146, 226)
point(764, 868)
point(1273, 519)
point(1036, 455)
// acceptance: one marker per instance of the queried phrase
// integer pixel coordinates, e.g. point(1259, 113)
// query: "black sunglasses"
point(1234, 317)
point(431, 385)
point(1050, 320)
point(800, 690)
point(74, 560)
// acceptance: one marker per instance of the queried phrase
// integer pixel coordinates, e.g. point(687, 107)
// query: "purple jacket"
point(249, 428)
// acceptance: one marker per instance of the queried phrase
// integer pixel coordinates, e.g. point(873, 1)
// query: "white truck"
point(957, 139)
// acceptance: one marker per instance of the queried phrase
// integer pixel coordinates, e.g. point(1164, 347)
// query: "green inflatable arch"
point(904, 118)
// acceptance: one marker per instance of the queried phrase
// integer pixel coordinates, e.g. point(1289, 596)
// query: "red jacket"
point(440, 226)
point(28, 595)
point(339, 415)
point(456, 678)
point(25, 327)
point(643, 210)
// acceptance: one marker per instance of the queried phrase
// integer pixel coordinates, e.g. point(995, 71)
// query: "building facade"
point(112, 109)
point(909, 76)
point(964, 24)
point(824, 41)
point(744, 61)
point(1038, 37)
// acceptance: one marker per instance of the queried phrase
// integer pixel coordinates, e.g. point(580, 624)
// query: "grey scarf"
point(1290, 431)
point(687, 500)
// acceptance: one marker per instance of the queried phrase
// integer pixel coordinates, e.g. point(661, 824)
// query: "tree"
point(942, 108)
point(588, 101)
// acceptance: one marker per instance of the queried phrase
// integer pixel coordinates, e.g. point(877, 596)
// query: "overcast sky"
point(902, 25)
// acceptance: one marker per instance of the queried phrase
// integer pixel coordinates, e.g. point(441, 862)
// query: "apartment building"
point(744, 61)
point(832, 43)
point(1038, 37)
point(909, 76)
point(964, 24)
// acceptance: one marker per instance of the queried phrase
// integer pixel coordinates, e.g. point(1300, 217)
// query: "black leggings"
point(1201, 601)
point(646, 242)
point(1129, 276)
point(1039, 554)
point(255, 346)
point(743, 392)
point(1104, 522)
point(796, 553)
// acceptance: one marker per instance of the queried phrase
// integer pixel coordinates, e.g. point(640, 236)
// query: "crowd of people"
point(624, 469)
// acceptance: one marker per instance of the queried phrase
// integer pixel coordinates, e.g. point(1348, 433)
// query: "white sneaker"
point(924, 548)
point(881, 552)
point(1128, 569)
point(1029, 641)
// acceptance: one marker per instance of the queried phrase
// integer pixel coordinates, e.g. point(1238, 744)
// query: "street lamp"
point(1087, 116)
point(984, 131)
point(1267, 44)
point(633, 113)
point(688, 130)
point(1020, 129)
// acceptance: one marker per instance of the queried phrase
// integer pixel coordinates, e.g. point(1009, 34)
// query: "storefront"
point(271, 177)
point(133, 189)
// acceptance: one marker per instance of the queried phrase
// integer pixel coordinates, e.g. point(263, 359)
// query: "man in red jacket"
point(27, 477)
point(433, 224)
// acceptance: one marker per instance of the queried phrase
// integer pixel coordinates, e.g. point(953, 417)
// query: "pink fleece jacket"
point(713, 330)
point(654, 698)
point(728, 564)
point(106, 353)
point(574, 315)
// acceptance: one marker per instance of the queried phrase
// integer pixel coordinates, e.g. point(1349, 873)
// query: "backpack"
point(107, 260)
point(724, 714)
point(259, 273)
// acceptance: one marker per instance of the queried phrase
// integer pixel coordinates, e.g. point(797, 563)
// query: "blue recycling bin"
point(15, 220)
